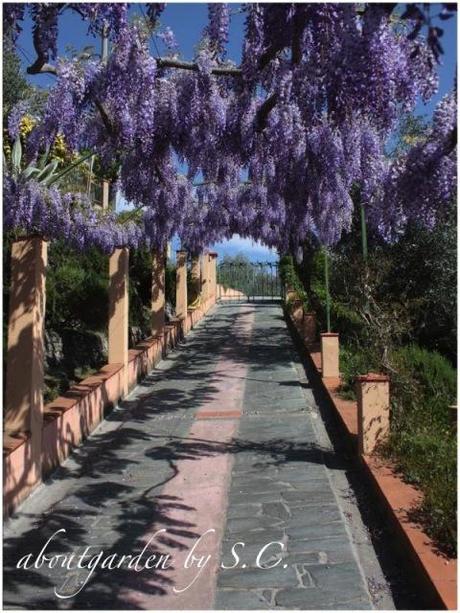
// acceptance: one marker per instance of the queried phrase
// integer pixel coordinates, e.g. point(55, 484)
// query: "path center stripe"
point(201, 484)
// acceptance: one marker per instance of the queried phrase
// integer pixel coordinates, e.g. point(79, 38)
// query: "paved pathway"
point(216, 477)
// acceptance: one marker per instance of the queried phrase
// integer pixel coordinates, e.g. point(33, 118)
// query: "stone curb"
point(435, 573)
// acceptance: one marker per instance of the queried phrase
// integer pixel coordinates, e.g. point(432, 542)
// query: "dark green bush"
point(432, 377)
point(76, 289)
point(354, 361)
point(422, 441)
point(140, 289)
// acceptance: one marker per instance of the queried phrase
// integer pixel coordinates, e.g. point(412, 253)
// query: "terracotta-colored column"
point(25, 358)
point(158, 293)
point(373, 392)
point(119, 311)
point(181, 284)
point(330, 354)
point(196, 276)
point(25, 372)
point(205, 276)
point(309, 328)
point(213, 275)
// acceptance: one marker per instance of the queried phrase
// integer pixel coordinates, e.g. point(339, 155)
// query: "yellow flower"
point(412, 139)
point(59, 149)
point(26, 125)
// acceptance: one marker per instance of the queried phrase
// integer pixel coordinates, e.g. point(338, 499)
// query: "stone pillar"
point(205, 276)
point(309, 328)
point(373, 392)
point(158, 293)
point(25, 359)
point(26, 335)
point(196, 277)
point(119, 311)
point(105, 194)
point(181, 284)
point(330, 355)
point(213, 275)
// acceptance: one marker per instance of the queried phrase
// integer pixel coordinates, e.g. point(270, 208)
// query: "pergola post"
point(213, 275)
point(330, 355)
point(208, 276)
point(204, 276)
point(105, 194)
point(196, 276)
point(119, 311)
point(373, 393)
point(26, 335)
point(309, 327)
point(181, 284)
point(158, 293)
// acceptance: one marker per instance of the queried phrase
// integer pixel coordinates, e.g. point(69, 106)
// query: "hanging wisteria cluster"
point(270, 149)
point(36, 209)
point(418, 187)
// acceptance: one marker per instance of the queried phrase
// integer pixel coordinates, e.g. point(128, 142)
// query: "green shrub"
point(424, 382)
point(354, 361)
point(140, 289)
point(422, 441)
point(427, 457)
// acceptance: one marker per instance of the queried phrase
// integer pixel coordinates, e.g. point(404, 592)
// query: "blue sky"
point(187, 21)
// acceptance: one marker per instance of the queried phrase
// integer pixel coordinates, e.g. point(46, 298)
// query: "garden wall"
point(70, 418)
point(228, 293)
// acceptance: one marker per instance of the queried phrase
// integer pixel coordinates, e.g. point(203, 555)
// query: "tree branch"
point(264, 111)
point(298, 28)
point(268, 56)
point(452, 142)
point(229, 71)
point(105, 117)
point(40, 66)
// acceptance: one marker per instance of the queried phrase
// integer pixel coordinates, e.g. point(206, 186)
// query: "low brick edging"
point(70, 418)
point(436, 573)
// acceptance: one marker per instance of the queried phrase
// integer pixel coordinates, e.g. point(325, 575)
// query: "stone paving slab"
point(260, 476)
point(280, 490)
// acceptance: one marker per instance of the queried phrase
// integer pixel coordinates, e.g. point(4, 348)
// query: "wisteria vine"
point(270, 149)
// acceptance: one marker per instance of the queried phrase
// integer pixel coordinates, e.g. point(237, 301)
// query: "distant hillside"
point(255, 252)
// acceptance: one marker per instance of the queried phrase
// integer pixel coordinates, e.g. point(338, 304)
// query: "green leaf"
point(47, 173)
point(71, 167)
point(30, 171)
point(16, 155)
point(44, 158)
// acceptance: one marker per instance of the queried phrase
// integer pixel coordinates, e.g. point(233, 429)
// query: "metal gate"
point(248, 281)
